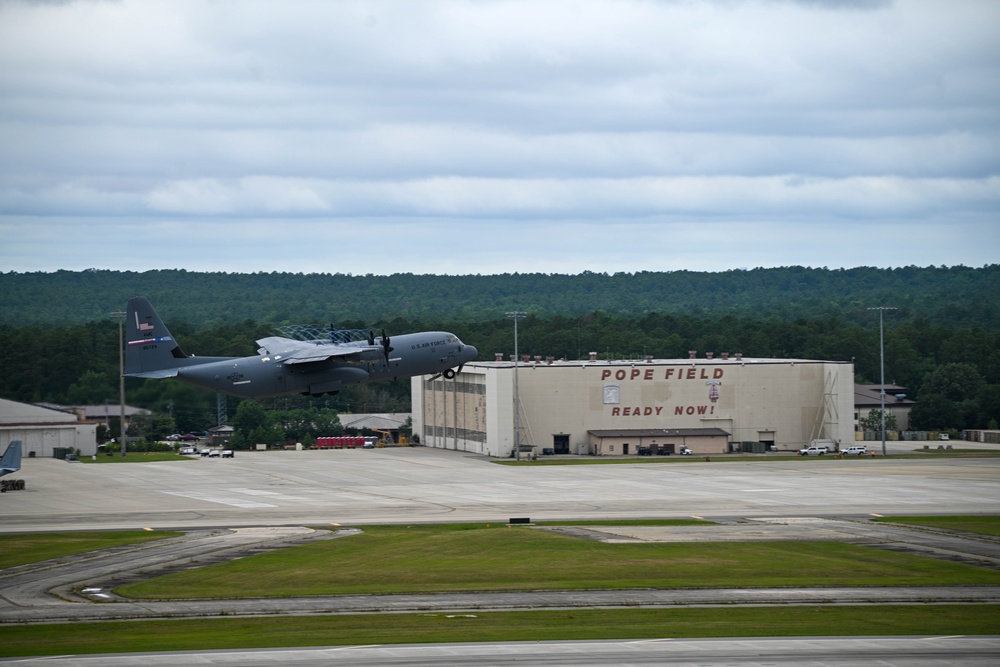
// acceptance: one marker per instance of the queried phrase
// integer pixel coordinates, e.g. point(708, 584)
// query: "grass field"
point(474, 557)
point(576, 624)
point(31, 548)
point(984, 525)
point(436, 558)
point(137, 457)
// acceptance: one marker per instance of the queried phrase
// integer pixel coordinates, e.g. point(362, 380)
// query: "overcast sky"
point(494, 136)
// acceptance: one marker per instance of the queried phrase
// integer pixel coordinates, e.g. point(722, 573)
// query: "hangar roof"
point(871, 395)
point(545, 362)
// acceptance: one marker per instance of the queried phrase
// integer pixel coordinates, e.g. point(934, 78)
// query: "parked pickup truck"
point(815, 450)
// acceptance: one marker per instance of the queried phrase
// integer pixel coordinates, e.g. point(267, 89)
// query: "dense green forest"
point(955, 296)
point(60, 337)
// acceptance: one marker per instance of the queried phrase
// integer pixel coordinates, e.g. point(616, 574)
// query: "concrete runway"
point(743, 652)
point(260, 500)
point(429, 485)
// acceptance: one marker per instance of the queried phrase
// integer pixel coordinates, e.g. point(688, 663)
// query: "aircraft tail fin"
point(150, 350)
point(11, 461)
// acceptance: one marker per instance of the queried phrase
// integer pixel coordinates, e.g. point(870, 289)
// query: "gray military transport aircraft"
point(284, 366)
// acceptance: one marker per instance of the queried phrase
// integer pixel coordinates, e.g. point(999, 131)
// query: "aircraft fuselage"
point(265, 375)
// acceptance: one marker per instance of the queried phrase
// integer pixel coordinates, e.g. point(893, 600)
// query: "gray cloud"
point(442, 127)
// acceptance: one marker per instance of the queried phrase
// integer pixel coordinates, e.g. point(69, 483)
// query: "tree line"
point(949, 296)
point(953, 372)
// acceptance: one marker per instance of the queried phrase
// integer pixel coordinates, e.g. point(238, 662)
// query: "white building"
point(631, 407)
point(41, 430)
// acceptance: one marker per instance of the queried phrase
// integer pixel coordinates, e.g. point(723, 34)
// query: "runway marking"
point(873, 514)
point(270, 494)
point(222, 500)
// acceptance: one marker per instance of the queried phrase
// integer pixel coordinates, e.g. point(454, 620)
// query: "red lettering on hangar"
point(636, 411)
point(692, 373)
point(694, 410)
point(647, 411)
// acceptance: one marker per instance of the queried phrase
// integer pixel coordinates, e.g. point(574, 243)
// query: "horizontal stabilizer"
point(161, 373)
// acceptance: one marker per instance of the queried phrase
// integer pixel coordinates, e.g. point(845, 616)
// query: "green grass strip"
point(576, 624)
point(435, 558)
point(137, 457)
point(30, 548)
point(984, 525)
point(629, 522)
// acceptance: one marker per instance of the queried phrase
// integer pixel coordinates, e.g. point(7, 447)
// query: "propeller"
point(386, 348)
point(371, 337)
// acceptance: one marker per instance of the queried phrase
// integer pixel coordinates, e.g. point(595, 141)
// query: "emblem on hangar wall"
point(713, 391)
point(612, 394)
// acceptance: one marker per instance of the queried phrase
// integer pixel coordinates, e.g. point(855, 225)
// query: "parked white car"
point(854, 450)
point(815, 450)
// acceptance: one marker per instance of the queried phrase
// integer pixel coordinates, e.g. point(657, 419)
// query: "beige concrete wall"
point(631, 445)
point(788, 402)
point(42, 440)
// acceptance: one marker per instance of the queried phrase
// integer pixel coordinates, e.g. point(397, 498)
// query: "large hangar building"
point(622, 408)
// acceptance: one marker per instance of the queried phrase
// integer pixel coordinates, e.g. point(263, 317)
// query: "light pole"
point(516, 315)
point(121, 376)
point(881, 359)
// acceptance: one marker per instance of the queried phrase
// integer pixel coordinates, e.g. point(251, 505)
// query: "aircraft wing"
point(292, 351)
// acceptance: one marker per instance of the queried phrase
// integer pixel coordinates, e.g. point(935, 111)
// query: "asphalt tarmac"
point(264, 500)
point(743, 652)
point(353, 487)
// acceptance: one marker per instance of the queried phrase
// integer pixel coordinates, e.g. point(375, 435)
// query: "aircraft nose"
point(469, 352)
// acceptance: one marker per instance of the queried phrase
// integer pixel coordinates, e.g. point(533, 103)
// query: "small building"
point(220, 436)
point(387, 424)
point(658, 441)
point(868, 397)
point(44, 432)
point(101, 414)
